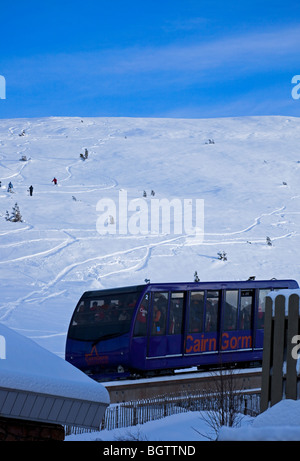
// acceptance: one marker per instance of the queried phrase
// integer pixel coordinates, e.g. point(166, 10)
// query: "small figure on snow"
point(10, 187)
point(30, 190)
point(54, 180)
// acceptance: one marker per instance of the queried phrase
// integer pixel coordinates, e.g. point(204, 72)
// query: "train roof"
point(120, 290)
point(194, 285)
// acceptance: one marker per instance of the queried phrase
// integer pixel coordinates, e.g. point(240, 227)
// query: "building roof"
point(40, 386)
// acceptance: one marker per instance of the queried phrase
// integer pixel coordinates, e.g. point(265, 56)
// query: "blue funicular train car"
point(150, 329)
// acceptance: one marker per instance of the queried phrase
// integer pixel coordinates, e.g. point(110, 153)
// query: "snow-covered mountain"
point(245, 169)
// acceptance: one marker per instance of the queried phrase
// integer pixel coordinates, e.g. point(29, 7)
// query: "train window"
point(262, 305)
point(196, 311)
point(108, 309)
point(231, 309)
point(212, 308)
point(159, 313)
point(140, 328)
point(103, 316)
point(78, 316)
point(261, 308)
point(246, 309)
point(176, 313)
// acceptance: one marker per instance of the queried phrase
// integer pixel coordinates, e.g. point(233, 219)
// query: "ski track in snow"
point(45, 292)
point(131, 260)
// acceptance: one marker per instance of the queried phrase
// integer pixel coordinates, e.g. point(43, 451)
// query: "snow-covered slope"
point(248, 179)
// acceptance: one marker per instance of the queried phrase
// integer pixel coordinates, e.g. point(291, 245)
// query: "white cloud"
point(255, 51)
point(138, 68)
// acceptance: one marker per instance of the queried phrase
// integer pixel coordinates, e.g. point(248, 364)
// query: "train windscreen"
point(103, 316)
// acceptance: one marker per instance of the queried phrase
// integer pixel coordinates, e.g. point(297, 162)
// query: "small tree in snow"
point(85, 155)
point(221, 398)
point(15, 215)
point(222, 256)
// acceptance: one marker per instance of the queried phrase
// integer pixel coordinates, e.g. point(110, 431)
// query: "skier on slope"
point(54, 180)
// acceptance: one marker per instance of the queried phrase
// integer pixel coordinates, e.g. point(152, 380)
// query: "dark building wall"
point(20, 430)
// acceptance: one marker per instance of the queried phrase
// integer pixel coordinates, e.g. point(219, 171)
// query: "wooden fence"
point(280, 379)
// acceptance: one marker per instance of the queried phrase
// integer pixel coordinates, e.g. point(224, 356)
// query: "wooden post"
point(278, 350)
point(292, 330)
point(267, 356)
point(279, 368)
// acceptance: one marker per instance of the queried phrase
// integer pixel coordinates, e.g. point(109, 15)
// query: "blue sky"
point(156, 58)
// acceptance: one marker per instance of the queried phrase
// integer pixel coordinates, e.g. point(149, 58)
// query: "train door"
point(236, 333)
point(211, 326)
point(260, 318)
point(165, 335)
point(157, 339)
point(139, 342)
point(175, 325)
point(202, 332)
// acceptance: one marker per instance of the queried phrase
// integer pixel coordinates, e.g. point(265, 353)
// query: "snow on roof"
point(29, 367)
